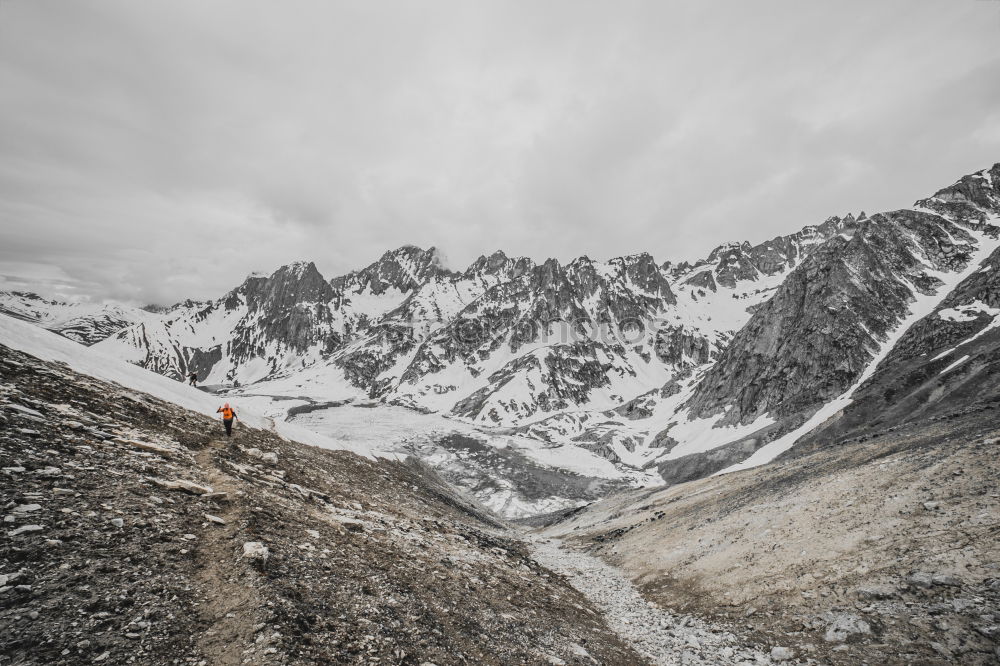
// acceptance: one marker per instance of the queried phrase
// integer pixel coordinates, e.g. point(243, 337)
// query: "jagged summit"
point(402, 269)
point(971, 196)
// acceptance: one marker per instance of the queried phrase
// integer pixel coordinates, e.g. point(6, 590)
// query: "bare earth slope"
point(103, 559)
point(884, 551)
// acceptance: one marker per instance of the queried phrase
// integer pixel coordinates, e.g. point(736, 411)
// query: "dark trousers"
point(229, 427)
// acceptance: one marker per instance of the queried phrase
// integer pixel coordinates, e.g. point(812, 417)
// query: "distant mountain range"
point(685, 368)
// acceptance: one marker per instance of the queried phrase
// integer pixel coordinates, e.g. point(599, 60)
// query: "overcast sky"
point(153, 151)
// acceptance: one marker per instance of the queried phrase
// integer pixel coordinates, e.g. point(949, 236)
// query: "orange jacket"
point(227, 412)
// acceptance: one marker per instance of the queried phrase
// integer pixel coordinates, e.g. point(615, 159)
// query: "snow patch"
point(955, 364)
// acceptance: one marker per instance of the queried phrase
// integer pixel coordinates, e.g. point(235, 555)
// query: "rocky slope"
point(134, 534)
point(948, 361)
point(881, 551)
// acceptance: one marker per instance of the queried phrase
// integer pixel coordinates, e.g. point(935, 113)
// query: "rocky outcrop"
point(682, 347)
point(974, 198)
point(945, 365)
point(293, 306)
point(826, 322)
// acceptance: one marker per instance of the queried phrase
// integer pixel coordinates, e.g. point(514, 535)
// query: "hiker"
point(228, 414)
point(193, 379)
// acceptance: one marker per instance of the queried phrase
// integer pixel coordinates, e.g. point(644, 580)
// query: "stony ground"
point(883, 551)
point(135, 533)
point(664, 637)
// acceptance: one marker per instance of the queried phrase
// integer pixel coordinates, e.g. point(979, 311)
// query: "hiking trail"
point(230, 597)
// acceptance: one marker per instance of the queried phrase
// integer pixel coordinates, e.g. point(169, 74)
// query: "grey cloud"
point(202, 141)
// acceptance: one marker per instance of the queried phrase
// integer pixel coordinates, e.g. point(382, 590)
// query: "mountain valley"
point(595, 375)
point(784, 453)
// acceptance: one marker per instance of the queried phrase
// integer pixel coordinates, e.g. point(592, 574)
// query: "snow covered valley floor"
point(513, 475)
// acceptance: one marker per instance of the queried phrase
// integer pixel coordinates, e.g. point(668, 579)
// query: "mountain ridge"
point(684, 368)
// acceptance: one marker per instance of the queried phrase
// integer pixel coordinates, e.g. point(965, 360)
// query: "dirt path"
point(666, 639)
point(230, 598)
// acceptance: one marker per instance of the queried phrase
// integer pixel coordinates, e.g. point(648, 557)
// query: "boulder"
point(876, 592)
point(781, 654)
point(256, 553)
point(846, 627)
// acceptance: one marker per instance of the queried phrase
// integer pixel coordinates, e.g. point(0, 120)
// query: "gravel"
point(663, 637)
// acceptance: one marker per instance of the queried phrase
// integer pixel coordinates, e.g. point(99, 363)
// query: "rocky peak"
point(980, 188)
point(499, 263)
point(676, 270)
point(550, 275)
point(289, 286)
point(728, 250)
point(642, 271)
point(27, 295)
point(837, 225)
point(490, 264)
point(814, 337)
point(303, 280)
point(403, 269)
point(252, 285)
point(974, 198)
point(733, 263)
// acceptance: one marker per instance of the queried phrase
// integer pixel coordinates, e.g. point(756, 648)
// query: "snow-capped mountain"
point(504, 342)
point(685, 368)
point(86, 323)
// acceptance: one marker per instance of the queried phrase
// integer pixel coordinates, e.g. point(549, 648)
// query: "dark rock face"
point(680, 347)
point(925, 377)
point(815, 336)
point(201, 361)
point(703, 280)
point(935, 332)
point(696, 466)
point(640, 407)
point(733, 263)
point(286, 313)
point(293, 306)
